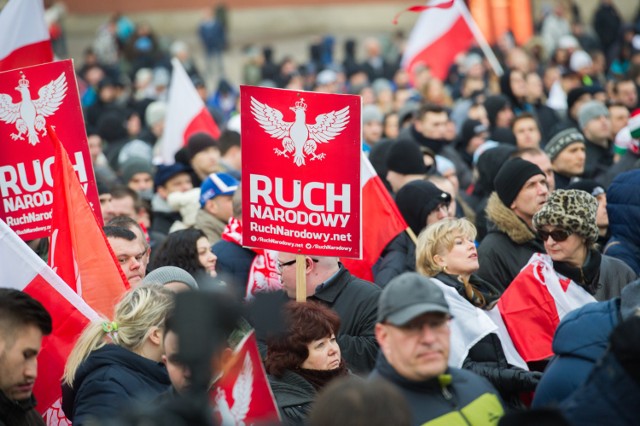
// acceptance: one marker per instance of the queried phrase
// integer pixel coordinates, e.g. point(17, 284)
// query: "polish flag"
point(534, 304)
point(243, 395)
point(80, 253)
point(22, 269)
point(24, 37)
point(440, 33)
point(381, 221)
point(186, 114)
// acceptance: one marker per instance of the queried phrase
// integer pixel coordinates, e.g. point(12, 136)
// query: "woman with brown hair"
point(446, 252)
point(303, 359)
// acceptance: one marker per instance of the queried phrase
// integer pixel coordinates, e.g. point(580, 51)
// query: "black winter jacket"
point(109, 380)
point(19, 413)
point(397, 257)
point(507, 247)
point(294, 396)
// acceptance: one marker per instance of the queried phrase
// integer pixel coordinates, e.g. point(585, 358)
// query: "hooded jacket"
point(110, 379)
point(623, 208)
point(508, 246)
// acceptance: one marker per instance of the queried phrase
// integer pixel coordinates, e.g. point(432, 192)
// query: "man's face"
point(221, 207)
point(123, 207)
point(598, 129)
point(570, 162)
point(178, 183)
point(619, 118)
point(95, 147)
point(106, 207)
point(179, 374)
point(542, 161)
point(419, 350)
point(531, 197)
point(141, 182)
point(527, 133)
point(433, 125)
point(504, 117)
point(130, 255)
point(627, 94)
point(372, 132)
point(18, 361)
point(286, 266)
point(206, 161)
point(439, 213)
point(602, 218)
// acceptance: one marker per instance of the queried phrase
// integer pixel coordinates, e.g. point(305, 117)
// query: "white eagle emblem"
point(242, 390)
point(29, 115)
point(298, 137)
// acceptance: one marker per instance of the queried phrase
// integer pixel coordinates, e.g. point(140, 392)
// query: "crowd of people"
point(508, 184)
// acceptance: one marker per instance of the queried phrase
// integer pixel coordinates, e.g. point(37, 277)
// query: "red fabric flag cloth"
point(534, 303)
point(22, 269)
point(24, 37)
point(381, 222)
point(186, 114)
point(440, 33)
point(80, 253)
point(243, 394)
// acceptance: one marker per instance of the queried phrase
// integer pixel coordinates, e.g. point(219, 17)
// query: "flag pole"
point(482, 42)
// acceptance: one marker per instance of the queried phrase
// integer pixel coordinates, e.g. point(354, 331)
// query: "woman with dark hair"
point(188, 249)
point(303, 359)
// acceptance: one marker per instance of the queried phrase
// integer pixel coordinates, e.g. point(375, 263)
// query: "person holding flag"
point(23, 324)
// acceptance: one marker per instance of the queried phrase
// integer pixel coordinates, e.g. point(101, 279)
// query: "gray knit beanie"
point(169, 274)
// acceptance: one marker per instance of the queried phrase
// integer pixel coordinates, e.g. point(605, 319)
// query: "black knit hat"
point(511, 178)
point(199, 142)
point(405, 157)
point(417, 199)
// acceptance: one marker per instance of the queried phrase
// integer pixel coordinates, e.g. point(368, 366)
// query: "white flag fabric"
point(24, 37)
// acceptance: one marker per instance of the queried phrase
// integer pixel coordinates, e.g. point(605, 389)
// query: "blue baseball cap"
point(217, 184)
point(164, 173)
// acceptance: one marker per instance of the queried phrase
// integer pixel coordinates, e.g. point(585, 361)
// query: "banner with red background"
point(30, 99)
point(301, 171)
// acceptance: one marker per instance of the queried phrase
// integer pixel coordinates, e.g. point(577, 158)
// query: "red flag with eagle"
point(186, 114)
point(80, 253)
point(441, 32)
point(22, 269)
point(243, 395)
point(24, 37)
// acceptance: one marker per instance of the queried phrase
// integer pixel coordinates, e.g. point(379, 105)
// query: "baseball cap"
point(408, 296)
point(217, 184)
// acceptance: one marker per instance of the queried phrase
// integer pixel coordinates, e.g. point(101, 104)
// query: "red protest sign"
point(30, 99)
point(243, 395)
point(301, 171)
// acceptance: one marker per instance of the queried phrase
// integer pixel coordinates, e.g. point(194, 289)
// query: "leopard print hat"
point(570, 209)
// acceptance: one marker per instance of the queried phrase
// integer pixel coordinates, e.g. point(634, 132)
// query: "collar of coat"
point(507, 221)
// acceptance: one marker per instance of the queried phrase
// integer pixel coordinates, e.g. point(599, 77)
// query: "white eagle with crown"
point(298, 137)
point(29, 114)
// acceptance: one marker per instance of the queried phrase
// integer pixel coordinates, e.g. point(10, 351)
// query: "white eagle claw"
point(318, 157)
point(281, 152)
point(15, 136)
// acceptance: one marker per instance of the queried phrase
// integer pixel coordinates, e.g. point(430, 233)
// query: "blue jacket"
point(109, 380)
point(623, 209)
point(580, 340)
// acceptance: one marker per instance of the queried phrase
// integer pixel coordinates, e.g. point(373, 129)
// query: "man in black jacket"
point(354, 300)
point(521, 190)
point(23, 324)
point(413, 333)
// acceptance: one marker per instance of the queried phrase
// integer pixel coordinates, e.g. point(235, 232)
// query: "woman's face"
point(462, 259)
point(324, 354)
point(205, 256)
point(572, 250)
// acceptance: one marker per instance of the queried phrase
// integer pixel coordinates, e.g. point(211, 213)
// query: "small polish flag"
point(186, 115)
point(24, 37)
point(440, 33)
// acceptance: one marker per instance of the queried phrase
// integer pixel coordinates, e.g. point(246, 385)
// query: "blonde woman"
point(446, 252)
point(116, 362)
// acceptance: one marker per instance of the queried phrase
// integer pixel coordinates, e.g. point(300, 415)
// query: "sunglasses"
point(558, 235)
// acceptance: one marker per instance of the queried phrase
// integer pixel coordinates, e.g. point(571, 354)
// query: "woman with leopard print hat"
point(567, 226)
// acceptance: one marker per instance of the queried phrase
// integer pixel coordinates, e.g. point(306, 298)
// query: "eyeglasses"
point(281, 266)
point(558, 235)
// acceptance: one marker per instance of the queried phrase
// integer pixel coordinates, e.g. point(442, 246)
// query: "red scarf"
point(263, 275)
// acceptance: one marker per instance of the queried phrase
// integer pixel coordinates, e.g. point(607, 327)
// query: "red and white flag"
point(534, 304)
point(381, 221)
point(186, 115)
point(24, 37)
point(80, 253)
point(243, 395)
point(22, 269)
point(440, 33)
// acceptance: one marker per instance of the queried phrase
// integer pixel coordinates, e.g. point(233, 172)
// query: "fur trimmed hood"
point(507, 222)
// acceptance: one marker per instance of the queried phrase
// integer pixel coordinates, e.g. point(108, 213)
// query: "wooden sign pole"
point(301, 278)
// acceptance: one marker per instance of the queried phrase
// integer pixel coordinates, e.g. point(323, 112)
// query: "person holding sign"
point(354, 300)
